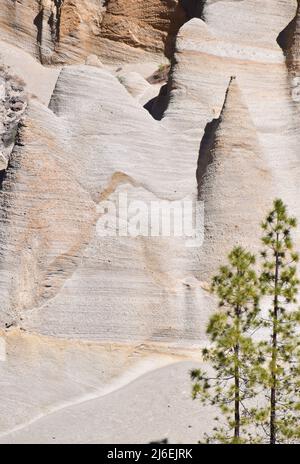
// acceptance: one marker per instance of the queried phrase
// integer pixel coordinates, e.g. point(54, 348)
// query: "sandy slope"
point(153, 407)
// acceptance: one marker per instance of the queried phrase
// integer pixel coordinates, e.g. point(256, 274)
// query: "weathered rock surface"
point(289, 40)
point(13, 102)
point(230, 167)
point(81, 312)
point(149, 25)
point(52, 30)
point(62, 267)
point(39, 80)
point(64, 31)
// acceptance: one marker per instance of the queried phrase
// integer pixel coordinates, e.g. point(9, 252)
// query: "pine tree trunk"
point(237, 380)
point(273, 380)
point(274, 359)
point(236, 394)
point(273, 390)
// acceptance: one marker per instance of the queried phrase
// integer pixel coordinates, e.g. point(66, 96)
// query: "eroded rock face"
point(17, 23)
point(230, 166)
point(289, 40)
point(64, 267)
point(208, 54)
point(52, 30)
point(227, 134)
point(148, 25)
point(13, 102)
point(66, 31)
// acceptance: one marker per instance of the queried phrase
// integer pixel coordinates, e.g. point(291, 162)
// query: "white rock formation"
point(84, 315)
point(138, 87)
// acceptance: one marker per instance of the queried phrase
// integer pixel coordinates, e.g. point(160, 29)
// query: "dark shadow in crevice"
point(286, 38)
point(59, 5)
point(2, 177)
point(38, 22)
point(184, 11)
point(205, 151)
point(52, 27)
point(53, 23)
point(178, 19)
point(193, 8)
point(17, 143)
point(4, 172)
point(157, 105)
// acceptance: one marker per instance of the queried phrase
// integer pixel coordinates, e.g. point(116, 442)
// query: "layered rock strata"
point(83, 314)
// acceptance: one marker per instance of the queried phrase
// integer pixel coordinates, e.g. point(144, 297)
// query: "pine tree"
point(232, 353)
point(279, 374)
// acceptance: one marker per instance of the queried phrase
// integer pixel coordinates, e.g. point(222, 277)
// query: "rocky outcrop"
point(230, 166)
point(12, 106)
point(83, 313)
point(149, 25)
point(52, 30)
point(63, 268)
point(213, 54)
point(17, 23)
point(66, 31)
